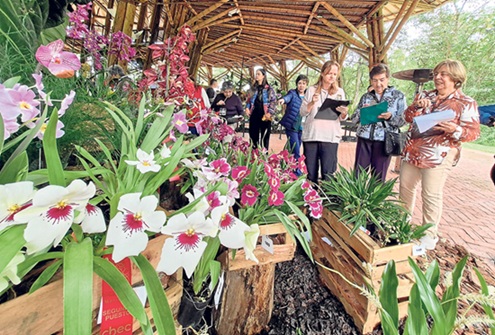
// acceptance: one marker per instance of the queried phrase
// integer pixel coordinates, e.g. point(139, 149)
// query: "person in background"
point(211, 90)
point(370, 149)
point(292, 119)
point(228, 102)
point(428, 157)
point(260, 108)
point(321, 137)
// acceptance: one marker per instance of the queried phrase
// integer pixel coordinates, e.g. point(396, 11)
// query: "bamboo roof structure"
point(245, 33)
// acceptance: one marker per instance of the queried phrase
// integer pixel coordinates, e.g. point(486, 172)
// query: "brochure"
point(370, 114)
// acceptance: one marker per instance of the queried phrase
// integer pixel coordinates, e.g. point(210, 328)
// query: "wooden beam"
point(220, 39)
point(207, 11)
point(288, 45)
point(306, 57)
point(346, 22)
point(213, 19)
point(396, 21)
point(308, 49)
point(311, 16)
point(331, 35)
point(240, 12)
point(296, 69)
point(273, 20)
point(347, 37)
point(388, 44)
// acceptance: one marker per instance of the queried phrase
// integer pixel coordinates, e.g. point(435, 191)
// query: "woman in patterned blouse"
point(429, 156)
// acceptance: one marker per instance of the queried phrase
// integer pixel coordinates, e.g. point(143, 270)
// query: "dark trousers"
point(320, 154)
point(294, 138)
point(259, 131)
point(371, 154)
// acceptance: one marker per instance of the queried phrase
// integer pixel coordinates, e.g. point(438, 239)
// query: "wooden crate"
point(42, 311)
point(283, 251)
point(358, 258)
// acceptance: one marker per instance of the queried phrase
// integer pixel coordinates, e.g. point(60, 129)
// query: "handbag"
point(394, 141)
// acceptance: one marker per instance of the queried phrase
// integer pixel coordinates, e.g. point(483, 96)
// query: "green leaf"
point(10, 83)
point(52, 158)
point(31, 261)
point(484, 290)
point(11, 242)
point(78, 287)
point(451, 295)
point(16, 170)
point(388, 293)
point(429, 299)
point(416, 323)
point(160, 308)
point(45, 276)
point(54, 33)
point(110, 274)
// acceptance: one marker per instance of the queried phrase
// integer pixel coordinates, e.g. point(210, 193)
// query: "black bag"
point(394, 141)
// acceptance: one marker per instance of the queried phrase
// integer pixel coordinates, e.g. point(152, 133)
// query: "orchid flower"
point(276, 198)
point(60, 63)
point(180, 122)
point(249, 195)
point(127, 229)
point(145, 163)
point(251, 236)
point(91, 219)
point(187, 245)
point(66, 102)
point(58, 132)
point(231, 228)
point(14, 198)
point(10, 272)
point(217, 169)
point(52, 213)
point(24, 101)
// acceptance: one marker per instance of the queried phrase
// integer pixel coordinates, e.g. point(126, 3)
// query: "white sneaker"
point(429, 242)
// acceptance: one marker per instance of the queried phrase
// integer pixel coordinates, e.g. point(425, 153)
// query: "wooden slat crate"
point(358, 258)
point(42, 311)
point(283, 251)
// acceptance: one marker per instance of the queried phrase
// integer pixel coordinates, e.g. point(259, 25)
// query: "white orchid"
point(202, 206)
point(187, 245)
point(145, 163)
point(14, 198)
point(127, 230)
point(91, 219)
point(165, 152)
point(10, 272)
point(231, 228)
point(52, 213)
point(251, 239)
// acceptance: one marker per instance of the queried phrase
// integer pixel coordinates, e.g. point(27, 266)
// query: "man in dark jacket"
point(292, 120)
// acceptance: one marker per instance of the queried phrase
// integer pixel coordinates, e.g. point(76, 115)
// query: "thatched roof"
point(251, 32)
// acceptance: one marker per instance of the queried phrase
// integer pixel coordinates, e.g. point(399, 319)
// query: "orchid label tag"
point(418, 250)
point(218, 292)
point(327, 241)
point(267, 243)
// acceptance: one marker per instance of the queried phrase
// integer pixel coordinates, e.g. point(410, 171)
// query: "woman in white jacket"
point(321, 137)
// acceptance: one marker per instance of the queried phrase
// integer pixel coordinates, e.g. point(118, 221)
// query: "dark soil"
point(304, 306)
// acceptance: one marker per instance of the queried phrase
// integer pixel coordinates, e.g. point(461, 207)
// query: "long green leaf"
point(16, 170)
point(45, 276)
point(416, 323)
point(109, 273)
point(429, 299)
point(484, 290)
point(78, 287)
point(52, 158)
point(451, 295)
point(11, 241)
point(388, 293)
point(160, 308)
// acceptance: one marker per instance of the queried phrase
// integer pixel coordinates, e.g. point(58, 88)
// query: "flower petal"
point(175, 255)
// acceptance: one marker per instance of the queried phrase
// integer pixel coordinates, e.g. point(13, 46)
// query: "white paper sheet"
point(427, 121)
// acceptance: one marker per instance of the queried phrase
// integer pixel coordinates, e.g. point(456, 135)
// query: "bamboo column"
point(124, 22)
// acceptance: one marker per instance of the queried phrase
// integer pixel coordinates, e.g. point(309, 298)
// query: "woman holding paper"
point(321, 136)
point(381, 104)
point(430, 155)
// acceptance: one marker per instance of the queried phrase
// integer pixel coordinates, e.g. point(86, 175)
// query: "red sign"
point(115, 320)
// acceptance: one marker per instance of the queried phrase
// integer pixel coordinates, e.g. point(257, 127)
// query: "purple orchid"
point(60, 63)
point(180, 122)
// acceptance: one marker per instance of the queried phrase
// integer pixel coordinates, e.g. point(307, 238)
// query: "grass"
point(479, 147)
point(486, 142)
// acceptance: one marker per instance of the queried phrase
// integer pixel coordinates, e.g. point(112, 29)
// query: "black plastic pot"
point(192, 309)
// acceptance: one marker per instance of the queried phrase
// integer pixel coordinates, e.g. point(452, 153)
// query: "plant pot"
point(42, 311)
point(360, 259)
point(192, 308)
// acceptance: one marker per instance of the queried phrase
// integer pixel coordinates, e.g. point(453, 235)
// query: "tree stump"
point(247, 300)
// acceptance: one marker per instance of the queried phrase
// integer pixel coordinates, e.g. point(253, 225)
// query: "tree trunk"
point(247, 301)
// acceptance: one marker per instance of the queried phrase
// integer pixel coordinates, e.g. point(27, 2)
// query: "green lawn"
point(480, 147)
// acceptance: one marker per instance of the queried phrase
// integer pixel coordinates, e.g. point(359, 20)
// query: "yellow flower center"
point(146, 163)
point(43, 128)
point(14, 208)
point(61, 204)
point(180, 123)
point(24, 105)
point(138, 217)
point(190, 232)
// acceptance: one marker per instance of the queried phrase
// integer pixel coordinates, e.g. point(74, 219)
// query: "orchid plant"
point(65, 214)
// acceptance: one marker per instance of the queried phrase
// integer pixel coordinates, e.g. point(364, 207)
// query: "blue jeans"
point(294, 138)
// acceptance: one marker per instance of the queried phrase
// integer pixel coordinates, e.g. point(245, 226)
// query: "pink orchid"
point(249, 195)
point(58, 132)
point(66, 102)
point(213, 200)
point(217, 169)
point(302, 164)
point(276, 198)
point(233, 192)
point(316, 211)
point(305, 185)
point(239, 173)
point(10, 127)
point(24, 101)
point(311, 196)
point(269, 170)
point(39, 84)
point(60, 63)
point(274, 183)
point(180, 122)
point(8, 108)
